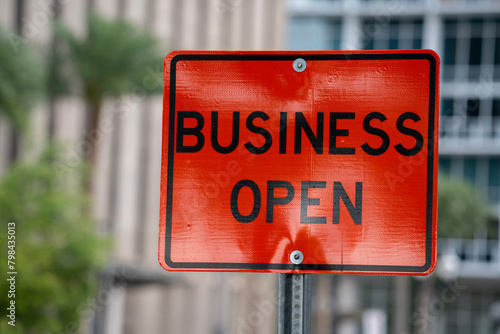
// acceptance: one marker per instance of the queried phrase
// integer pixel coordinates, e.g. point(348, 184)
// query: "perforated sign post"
point(299, 163)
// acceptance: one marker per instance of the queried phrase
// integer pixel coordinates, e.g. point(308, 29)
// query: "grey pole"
point(294, 304)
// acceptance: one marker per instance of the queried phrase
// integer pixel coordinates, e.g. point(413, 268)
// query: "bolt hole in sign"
point(300, 162)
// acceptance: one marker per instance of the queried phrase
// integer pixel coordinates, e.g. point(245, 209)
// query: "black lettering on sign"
point(334, 133)
point(340, 193)
point(410, 132)
point(301, 127)
point(256, 201)
point(283, 116)
point(215, 131)
point(272, 201)
point(305, 201)
point(196, 131)
point(301, 124)
point(377, 132)
point(261, 131)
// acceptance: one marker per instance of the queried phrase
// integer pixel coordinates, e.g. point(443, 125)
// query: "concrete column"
point(163, 25)
point(7, 14)
point(127, 173)
point(189, 20)
point(352, 33)
point(280, 23)
point(258, 25)
point(432, 34)
point(70, 115)
point(323, 315)
point(36, 21)
point(423, 300)
point(144, 310)
point(214, 15)
point(153, 190)
point(71, 16)
point(236, 28)
point(347, 292)
point(136, 13)
point(401, 302)
point(115, 311)
point(108, 8)
point(175, 313)
point(203, 304)
point(36, 138)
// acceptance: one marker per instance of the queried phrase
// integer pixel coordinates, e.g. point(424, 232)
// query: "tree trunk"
point(92, 138)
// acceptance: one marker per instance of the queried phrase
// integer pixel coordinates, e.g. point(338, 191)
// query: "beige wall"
point(126, 183)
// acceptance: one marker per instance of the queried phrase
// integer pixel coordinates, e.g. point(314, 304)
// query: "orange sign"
point(311, 162)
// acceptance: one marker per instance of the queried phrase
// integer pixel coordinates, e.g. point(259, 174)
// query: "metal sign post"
point(294, 304)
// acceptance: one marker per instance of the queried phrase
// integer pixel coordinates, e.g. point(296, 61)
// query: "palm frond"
point(21, 77)
point(111, 59)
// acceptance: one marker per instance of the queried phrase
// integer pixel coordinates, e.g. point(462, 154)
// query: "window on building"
point(444, 165)
point(497, 51)
point(471, 117)
point(469, 313)
point(494, 180)
point(314, 33)
point(471, 49)
point(495, 113)
point(446, 126)
point(395, 34)
point(495, 109)
point(409, 1)
point(470, 169)
point(483, 172)
point(473, 107)
point(447, 107)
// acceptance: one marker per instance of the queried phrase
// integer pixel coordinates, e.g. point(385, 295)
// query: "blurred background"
point(80, 142)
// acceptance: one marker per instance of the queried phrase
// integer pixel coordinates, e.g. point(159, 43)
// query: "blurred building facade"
point(136, 295)
point(466, 35)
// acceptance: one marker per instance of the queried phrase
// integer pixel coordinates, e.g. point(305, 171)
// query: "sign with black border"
point(186, 77)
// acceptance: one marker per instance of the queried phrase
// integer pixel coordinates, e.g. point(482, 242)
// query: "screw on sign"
point(288, 162)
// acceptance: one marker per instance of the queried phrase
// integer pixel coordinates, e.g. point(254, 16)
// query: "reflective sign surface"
point(319, 162)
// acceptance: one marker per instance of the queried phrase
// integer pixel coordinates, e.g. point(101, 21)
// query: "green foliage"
point(57, 249)
point(461, 209)
point(112, 59)
point(21, 78)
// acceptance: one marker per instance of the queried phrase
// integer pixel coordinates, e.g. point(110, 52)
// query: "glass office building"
point(466, 35)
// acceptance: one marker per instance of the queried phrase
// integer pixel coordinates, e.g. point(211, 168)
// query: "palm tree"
point(111, 60)
point(21, 83)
